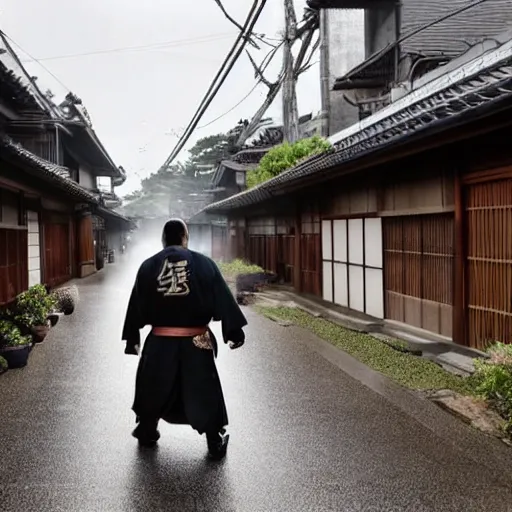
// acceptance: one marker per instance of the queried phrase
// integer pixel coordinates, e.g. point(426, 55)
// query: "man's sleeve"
point(134, 320)
point(227, 311)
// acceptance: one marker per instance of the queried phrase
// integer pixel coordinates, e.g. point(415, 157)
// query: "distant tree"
point(181, 189)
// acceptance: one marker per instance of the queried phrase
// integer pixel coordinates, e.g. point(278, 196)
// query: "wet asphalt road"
point(305, 436)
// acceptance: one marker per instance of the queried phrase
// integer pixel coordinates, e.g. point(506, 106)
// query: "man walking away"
point(179, 292)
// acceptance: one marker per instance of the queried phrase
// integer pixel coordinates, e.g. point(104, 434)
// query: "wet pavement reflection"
point(304, 435)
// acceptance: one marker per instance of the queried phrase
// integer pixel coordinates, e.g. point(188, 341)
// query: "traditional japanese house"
point(408, 218)
point(230, 177)
point(208, 235)
point(396, 43)
point(46, 227)
point(41, 209)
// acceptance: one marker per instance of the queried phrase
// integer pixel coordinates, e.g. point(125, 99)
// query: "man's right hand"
point(132, 350)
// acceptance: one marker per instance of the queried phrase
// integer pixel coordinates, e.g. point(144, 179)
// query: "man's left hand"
point(233, 345)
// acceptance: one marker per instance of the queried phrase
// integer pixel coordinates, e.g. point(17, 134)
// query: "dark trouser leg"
point(147, 431)
point(203, 398)
point(201, 390)
point(156, 378)
point(217, 444)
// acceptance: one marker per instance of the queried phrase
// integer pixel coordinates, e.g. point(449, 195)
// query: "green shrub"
point(3, 364)
point(493, 380)
point(284, 157)
point(33, 306)
point(10, 334)
point(236, 267)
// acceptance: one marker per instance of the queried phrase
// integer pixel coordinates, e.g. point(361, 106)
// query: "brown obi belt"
point(179, 332)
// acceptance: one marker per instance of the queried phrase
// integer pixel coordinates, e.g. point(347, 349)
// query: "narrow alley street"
point(305, 436)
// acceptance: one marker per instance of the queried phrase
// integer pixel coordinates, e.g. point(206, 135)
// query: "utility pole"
point(305, 32)
point(324, 71)
point(290, 110)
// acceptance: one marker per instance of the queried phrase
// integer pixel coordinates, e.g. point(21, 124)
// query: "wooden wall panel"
point(86, 256)
point(219, 243)
point(13, 263)
point(57, 249)
point(394, 193)
point(354, 201)
point(311, 252)
point(489, 263)
point(85, 240)
point(418, 270)
point(271, 245)
point(424, 194)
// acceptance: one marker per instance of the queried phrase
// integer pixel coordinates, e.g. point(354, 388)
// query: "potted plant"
point(32, 310)
point(14, 347)
point(4, 365)
point(66, 299)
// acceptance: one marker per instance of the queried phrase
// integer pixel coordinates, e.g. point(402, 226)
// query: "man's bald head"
point(175, 233)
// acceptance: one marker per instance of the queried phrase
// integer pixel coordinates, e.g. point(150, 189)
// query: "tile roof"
point(101, 210)
point(239, 166)
point(56, 175)
point(50, 172)
point(474, 87)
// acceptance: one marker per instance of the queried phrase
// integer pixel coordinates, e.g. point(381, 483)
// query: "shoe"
point(147, 436)
point(217, 445)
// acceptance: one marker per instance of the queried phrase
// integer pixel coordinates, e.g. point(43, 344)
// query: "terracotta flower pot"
point(39, 333)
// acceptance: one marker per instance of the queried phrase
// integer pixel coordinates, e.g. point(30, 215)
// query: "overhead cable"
point(18, 61)
point(231, 109)
point(234, 22)
point(154, 46)
point(266, 61)
point(220, 78)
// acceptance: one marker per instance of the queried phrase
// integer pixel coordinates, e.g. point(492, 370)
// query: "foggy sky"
point(135, 97)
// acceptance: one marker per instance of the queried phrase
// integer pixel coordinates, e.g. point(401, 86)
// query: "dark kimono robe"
point(177, 380)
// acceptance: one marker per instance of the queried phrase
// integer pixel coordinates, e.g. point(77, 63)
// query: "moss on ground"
point(404, 368)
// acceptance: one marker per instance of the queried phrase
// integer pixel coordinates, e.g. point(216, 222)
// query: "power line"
point(231, 109)
point(35, 60)
point(232, 20)
point(47, 103)
point(241, 36)
point(225, 69)
point(163, 45)
point(265, 63)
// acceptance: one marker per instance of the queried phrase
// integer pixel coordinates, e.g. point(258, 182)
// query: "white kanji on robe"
point(173, 279)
